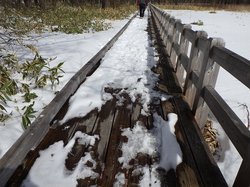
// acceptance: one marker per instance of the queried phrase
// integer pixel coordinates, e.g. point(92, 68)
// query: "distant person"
point(142, 6)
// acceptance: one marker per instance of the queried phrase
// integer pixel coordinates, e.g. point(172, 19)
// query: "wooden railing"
point(196, 60)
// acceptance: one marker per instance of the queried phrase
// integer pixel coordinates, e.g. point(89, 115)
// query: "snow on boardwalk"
point(119, 143)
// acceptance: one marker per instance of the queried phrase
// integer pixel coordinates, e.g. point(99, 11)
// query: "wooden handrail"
point(233, 126)
point(197, 67)
point(236, 65)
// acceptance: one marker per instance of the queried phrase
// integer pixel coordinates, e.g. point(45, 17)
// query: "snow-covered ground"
point(76, 50)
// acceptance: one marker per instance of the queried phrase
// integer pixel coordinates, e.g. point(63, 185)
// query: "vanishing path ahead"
point(118, 128)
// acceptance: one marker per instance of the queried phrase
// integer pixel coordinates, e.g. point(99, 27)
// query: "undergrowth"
point(36, 73)
point(63, 18)
point(32, 74)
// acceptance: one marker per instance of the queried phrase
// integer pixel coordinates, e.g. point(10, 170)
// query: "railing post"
point(170, 34)
point(189, 88)
point(207, 76)
point(166, 28)
point(184, 44)
point(173, 53)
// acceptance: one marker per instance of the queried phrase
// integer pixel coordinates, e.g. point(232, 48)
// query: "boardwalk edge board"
point(31, 138)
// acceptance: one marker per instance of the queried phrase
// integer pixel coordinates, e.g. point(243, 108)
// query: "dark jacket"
point(138, 2)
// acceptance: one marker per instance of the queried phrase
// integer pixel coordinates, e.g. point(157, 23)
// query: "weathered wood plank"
point(103, 128)
point(189, 34)
point(200, 67)
point(187, 173)
point(136, 111)
point(141, 160)
point(170, 36)
point(55, 134)
point(242, 178)
point(182, 62)
point(208, 76)
point(121, 120)
point(175, 44)
point(233, 126)
point(236, 65)
point(195, 61)
point(84, 125)
point(208, 170)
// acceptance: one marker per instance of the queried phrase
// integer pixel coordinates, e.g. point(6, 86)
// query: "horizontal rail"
point(233, 126)
point(31, 138)
point(236, 65)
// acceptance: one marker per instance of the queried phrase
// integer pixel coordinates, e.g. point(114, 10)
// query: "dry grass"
point(206, 7)
point(242, 8)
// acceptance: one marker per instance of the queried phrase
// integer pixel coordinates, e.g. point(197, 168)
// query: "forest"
point(108, 3)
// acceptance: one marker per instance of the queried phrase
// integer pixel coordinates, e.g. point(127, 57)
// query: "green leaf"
point(2, 108)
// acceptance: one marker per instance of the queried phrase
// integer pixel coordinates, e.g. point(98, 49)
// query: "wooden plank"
point(194, 78)
point(121, 120)
point(170, 35)
point(179, 26)
point(208, 170)
point(186, 175)
point(236, 65)
point(242, 178)
point(84, 125)
point(136, 111)
point(87, 123)
point(55, 134)
point(200, 66)
point(141, 160)
point(187, 172)
point(181, 68)
point(103, 128)
point(202, 44)
point(233, 126)
point(208, 76)
point(176, 48)
point(164, 19)
point(175, 44)
point(184, 61)
point(189, 34)
point(189, 90)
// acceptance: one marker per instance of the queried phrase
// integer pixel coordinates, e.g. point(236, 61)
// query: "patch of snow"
point(140, 140)
point(49, 168)
point(168, 147)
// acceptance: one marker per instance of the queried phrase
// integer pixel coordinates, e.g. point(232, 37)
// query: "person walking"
point(142, 6)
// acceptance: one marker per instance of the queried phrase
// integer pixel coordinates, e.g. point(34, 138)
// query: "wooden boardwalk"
point(184, 55)
point(197, 168)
